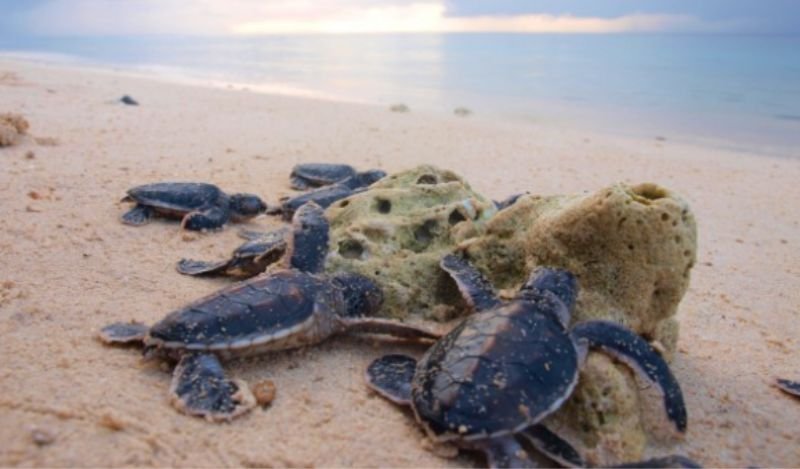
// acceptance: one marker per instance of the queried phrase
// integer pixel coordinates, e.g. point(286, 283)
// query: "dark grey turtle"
point(290, 308)
point(200, 206)
point(501, 371)
point(788, 386)
point(250, 259)
point(312, 175)
point(325, 196)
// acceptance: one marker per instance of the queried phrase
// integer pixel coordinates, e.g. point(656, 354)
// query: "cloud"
point(253, 17)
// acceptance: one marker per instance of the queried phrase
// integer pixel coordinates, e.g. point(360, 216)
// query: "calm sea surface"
point(726, 90)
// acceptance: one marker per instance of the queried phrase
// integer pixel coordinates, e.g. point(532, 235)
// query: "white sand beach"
point(69, 267)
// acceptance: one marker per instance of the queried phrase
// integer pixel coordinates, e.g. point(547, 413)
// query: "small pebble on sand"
point(264, 391)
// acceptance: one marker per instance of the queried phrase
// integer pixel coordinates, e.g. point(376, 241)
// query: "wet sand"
point(68, 267)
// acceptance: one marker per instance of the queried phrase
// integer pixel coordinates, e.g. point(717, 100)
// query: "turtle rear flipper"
point(123, 333)
point(199, 387)
point(551, 445)
point(476, 289)
point(506, 452)
point(674, 460)
point(391, 377)
point(138, 215)
point(208, 219)
point(192, 267)
point(788, 386)
point(635, 352)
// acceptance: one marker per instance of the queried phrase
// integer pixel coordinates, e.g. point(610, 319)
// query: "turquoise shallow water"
point(738, 91)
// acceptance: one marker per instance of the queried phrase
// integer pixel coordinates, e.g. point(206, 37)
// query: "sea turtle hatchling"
point(325, 196)
point(199, 205)
point(312, 175)
point(286, 309)
point(251, 258)
point(788, 386)
point(489, 382)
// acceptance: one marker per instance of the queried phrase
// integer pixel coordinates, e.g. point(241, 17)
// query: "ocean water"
point(735, 91)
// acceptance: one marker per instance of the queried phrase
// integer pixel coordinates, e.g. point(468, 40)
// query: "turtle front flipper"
point(476, 289)
point(551, 445)
point(391, 377)
point(788, 386)
point(309, 241)
point(199, 387)
point(123, 333)
point(505, 452)
point(192, 267)
point(209, 219)
point(250, 259)
point(674, 460)
point(138, 215)
point(626, 346)
point(389, 327)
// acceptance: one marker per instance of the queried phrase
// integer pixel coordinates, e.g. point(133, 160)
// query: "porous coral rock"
point(631, 247)
point(397, 231)
point(8, 135)
point(11, 127)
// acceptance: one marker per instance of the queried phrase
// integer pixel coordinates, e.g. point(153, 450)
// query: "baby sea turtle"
point(250, 259)
point(501, 371)
point(290, 308)
point(312, 175)
point(788, 386)
point(200, 206)
point(325, 196)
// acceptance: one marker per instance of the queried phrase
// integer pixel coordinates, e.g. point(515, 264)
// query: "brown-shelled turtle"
point(312, 175)
point(489, 382)
point(248, 260)
point(788, 386)
point(325, 196)
point(290, 308)
point(200, 206)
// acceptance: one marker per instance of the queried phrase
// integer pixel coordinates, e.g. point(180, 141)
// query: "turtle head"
point(364, 179)
point(559, 283)
point(371, 176)
point(362, 296)
point(246, 205)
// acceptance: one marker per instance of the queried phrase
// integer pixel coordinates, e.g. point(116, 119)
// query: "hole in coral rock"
point(664, 216)
point(351, 249)
point(650, 191)
point(456, 217)
point(427, 179)
point(424, 233)
point(384, 206)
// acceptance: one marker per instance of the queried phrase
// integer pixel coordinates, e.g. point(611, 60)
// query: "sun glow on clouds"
point(431, 18)
point(251, 17)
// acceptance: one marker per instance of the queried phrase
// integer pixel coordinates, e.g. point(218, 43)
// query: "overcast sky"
point(222, 17)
